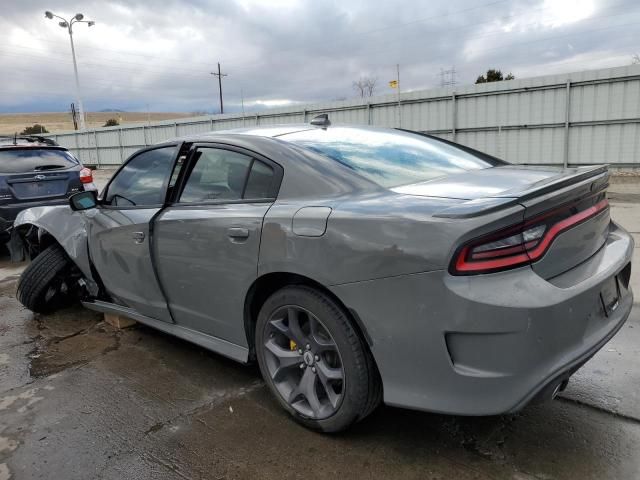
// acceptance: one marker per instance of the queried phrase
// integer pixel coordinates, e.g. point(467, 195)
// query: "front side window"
point(226, 175)
point(389, 158)
point(143, 180)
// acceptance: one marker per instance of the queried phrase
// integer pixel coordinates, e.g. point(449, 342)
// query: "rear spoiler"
point(597, 175)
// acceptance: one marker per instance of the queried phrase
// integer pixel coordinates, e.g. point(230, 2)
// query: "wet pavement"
point(80, 400)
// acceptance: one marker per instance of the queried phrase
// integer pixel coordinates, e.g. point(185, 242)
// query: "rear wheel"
point(45, 285)
point(314, 361)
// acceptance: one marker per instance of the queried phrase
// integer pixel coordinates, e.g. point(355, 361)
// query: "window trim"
point(105, 191)
point(278, 173)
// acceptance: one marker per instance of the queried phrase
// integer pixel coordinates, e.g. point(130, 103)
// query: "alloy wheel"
point(303, 361)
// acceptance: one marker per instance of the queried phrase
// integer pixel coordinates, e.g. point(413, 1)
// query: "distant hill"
point(61, 121)
point(106, 110)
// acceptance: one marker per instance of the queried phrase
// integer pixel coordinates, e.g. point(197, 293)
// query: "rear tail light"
point(86, 175)
point(522, 244)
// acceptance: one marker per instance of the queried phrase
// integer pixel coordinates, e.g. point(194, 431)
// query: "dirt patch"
point(624, 197)
point(8, 287)
point(67, 339)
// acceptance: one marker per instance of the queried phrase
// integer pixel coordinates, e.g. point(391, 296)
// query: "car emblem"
point(308, 358)
point(40, 177)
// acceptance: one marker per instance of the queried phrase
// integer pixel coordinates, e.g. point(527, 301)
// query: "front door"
point(207, 242)
point(119, 231)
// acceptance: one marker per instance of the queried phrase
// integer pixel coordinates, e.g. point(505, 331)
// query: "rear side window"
point(143, 180)
point(260, 181)
point(220, 174)
point(25, 160)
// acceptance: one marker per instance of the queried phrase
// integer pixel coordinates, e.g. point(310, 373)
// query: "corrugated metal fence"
point(580, 118)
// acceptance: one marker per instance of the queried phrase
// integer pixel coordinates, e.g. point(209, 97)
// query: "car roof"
point(272, 131)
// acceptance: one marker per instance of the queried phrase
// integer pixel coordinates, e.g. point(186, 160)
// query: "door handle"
point(238, 232)
point(138, 237)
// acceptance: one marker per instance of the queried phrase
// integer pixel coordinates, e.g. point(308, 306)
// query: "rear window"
point(25, 160)
point(390, 157)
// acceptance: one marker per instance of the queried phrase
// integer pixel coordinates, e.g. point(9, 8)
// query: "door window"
point(143, 180)
point(217, 175)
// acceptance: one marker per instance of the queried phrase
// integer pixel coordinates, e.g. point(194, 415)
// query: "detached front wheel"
point(45, 285)
point(314, 361)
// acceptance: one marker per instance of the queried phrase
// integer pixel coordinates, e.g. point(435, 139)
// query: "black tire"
point(361, 389)
point(44, 285)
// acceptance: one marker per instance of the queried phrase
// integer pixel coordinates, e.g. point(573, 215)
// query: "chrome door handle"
point(238, 232)
point(138, 237)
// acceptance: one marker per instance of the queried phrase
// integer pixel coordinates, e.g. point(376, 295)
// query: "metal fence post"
point(211, 123)
point(565, 159)
point(304, 115)
point(120, 145)
point(175, 128)
point(368, 113)
point(95, 141)
point(76, 136)
point(454, 115)
point(144, 135)
point(257, 120)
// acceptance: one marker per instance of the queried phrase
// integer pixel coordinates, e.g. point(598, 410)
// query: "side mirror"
point(83, 200)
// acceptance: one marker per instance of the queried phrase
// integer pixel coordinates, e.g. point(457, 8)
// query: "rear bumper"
point(488, 344)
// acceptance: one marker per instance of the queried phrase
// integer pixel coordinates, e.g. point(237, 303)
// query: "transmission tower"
point(448, 77)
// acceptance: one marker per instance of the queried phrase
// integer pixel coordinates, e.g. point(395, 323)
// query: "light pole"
point(68, 24)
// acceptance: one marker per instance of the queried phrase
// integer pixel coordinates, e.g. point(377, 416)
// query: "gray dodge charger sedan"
point(354, 264)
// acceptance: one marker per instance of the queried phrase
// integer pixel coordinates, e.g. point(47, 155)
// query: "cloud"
point(282, 52)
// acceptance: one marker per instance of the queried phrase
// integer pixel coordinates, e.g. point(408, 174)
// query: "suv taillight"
point(86, 175)
point(522, 244)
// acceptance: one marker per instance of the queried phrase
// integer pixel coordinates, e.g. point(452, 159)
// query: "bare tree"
point(635, 59)
point(365, 86)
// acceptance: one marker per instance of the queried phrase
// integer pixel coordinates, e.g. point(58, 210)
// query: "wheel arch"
point(269, 283)
point(37, 228)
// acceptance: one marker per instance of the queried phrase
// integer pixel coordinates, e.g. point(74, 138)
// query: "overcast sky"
point(159, 54)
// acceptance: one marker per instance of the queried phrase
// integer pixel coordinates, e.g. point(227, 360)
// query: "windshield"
point(25, 160)
point(390, 157)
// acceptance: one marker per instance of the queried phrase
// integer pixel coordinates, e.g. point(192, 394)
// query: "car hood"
point(504, 182)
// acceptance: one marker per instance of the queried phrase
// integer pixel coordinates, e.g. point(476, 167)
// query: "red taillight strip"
point(503, 252)
point(463, 266)
point(565, 224)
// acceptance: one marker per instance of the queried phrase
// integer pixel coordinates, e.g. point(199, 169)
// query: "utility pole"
point(220, 75)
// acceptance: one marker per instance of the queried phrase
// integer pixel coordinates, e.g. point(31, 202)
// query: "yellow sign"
point(393, 84)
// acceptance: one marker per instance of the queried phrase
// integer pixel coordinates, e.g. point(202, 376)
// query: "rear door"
point(119, 233)
point(207, 242)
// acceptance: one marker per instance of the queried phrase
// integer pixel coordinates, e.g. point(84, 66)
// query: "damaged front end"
point(37, 228)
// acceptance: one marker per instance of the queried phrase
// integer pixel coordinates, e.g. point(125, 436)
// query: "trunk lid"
point(509, 181)
point(540, 190)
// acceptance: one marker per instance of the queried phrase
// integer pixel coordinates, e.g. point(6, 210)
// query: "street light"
point(68, 24)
